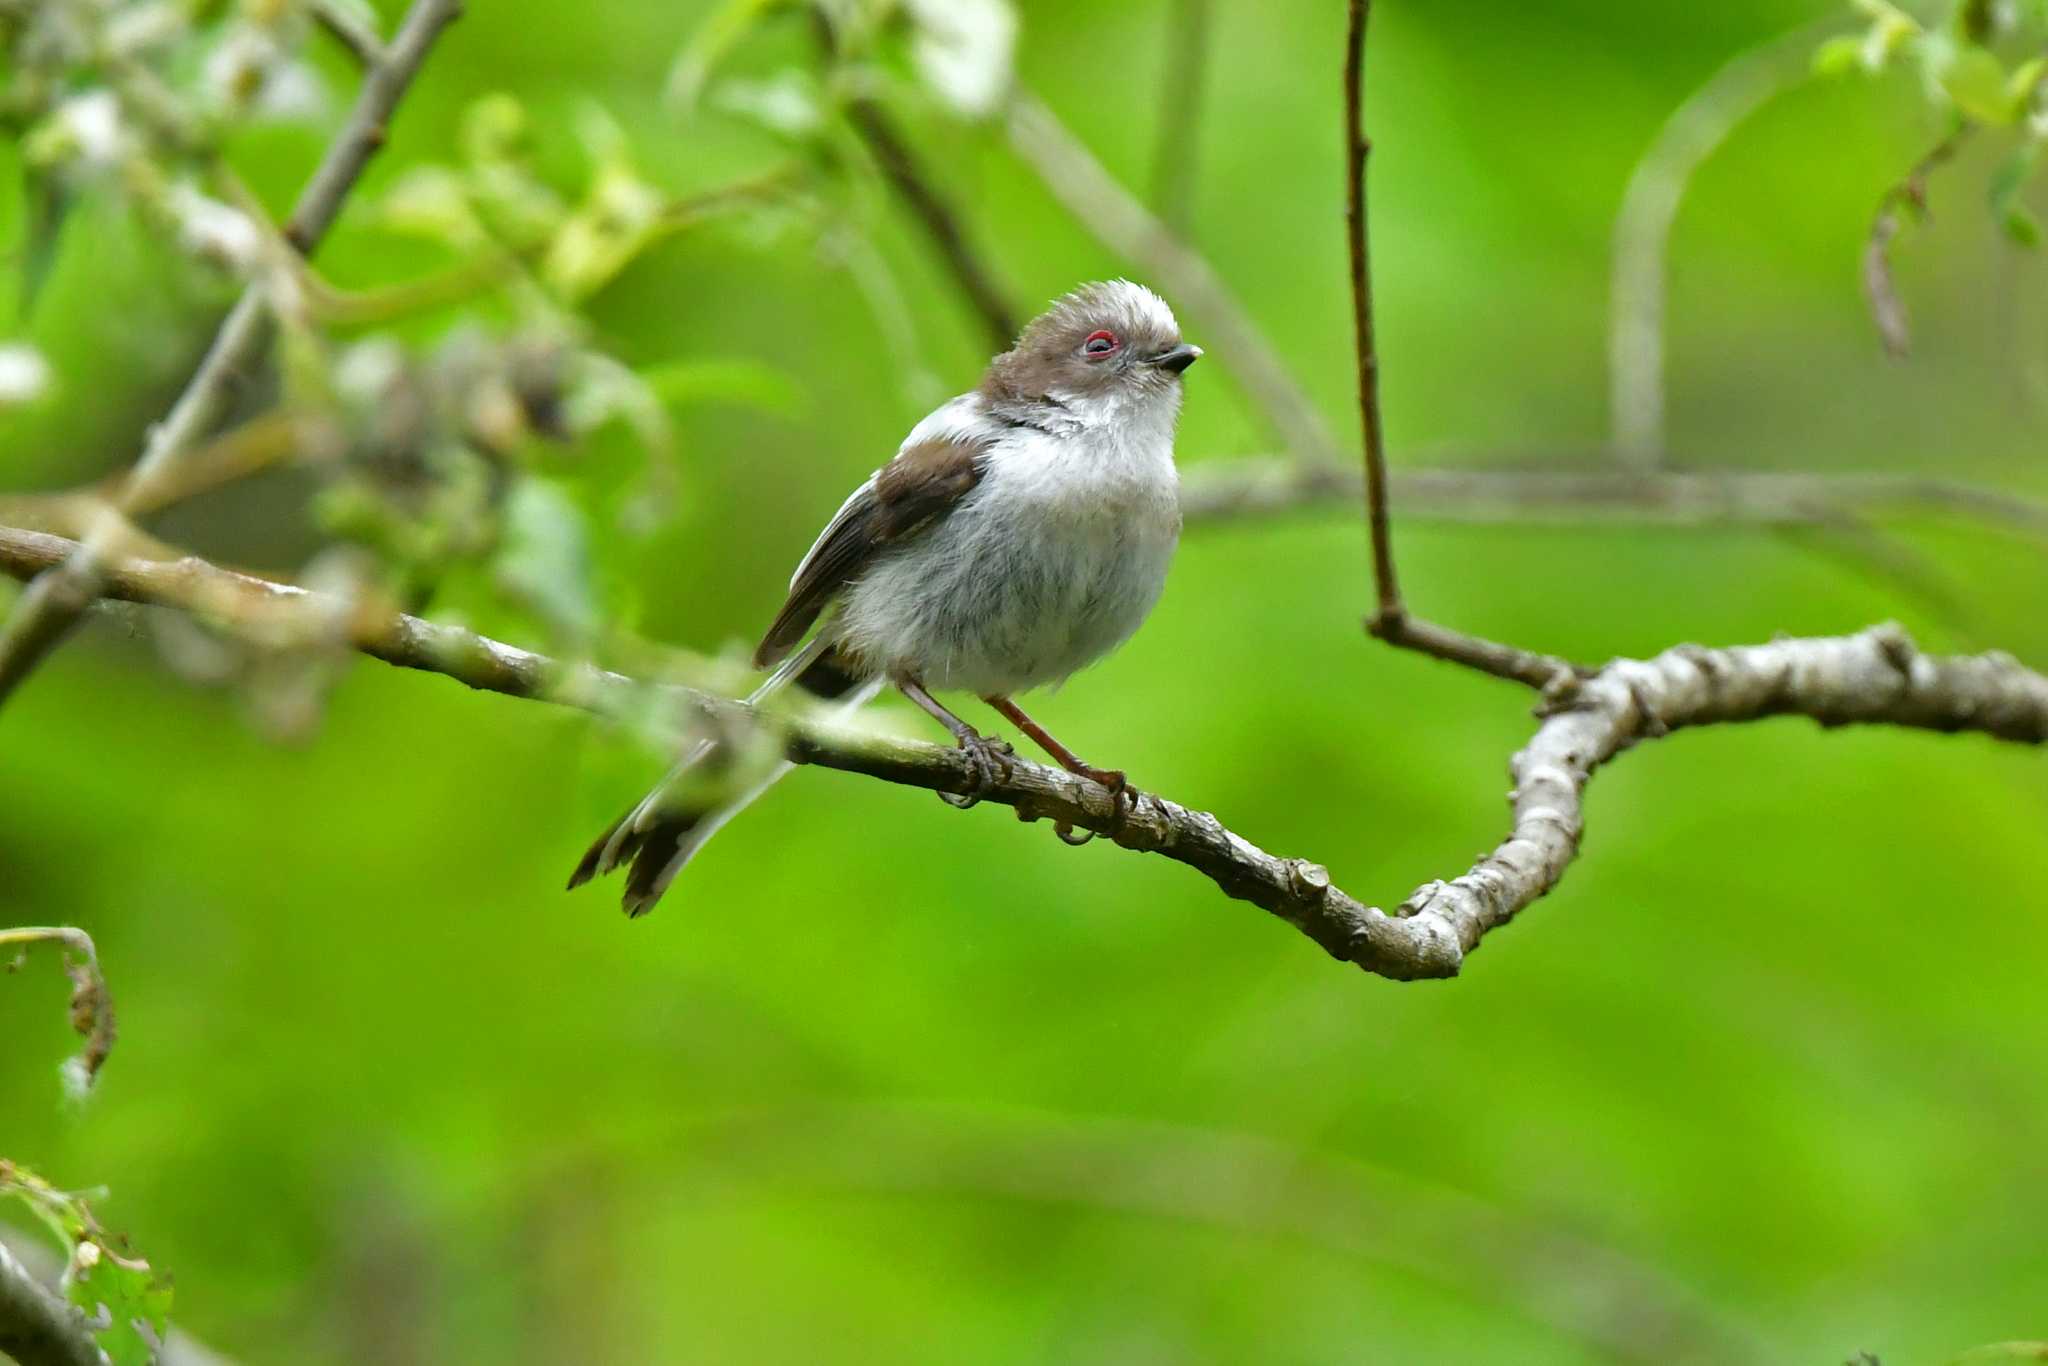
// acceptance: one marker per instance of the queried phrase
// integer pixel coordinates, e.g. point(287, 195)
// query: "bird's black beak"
point(1178, 359)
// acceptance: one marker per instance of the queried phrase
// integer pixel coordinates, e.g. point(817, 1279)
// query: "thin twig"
point(1116, 216)
point(351, 32)
point(1390, 620)
point(1887, 309)
point(1642, 229)
point(1876, 677)
point(932, 209)
point(1229, 490)
point(1357, 147)
point(914, 187)
point(46, 613)
point(1179, 111)
point(92, 1008)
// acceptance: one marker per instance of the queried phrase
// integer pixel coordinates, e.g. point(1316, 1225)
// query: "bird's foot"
point(1121, 792)
point(989, 758)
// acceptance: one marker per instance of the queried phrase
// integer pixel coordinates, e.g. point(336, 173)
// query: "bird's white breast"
point(1049, 563)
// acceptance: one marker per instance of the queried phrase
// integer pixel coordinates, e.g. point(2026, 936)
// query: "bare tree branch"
point(1114, 214)
point(1876, 676)
point(1358, 147)
point(1642, 229)
point(1179, 112)
point(47, 611)
point(1226, 490)
point(900, 168)
point(1390, 620)
point(1887, 310)
point(351, 32)
point(37, 1326)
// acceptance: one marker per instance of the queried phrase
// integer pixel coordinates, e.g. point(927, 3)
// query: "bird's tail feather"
point(660, 839)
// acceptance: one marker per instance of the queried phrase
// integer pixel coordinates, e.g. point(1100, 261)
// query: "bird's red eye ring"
point(1099, 344)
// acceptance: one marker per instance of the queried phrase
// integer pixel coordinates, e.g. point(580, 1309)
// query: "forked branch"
point(1875, 676)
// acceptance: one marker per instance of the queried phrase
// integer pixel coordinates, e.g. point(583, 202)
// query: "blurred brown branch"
point(1225, 490)
point(46, 613)
point(1101, 204)
point(1876, 676)
point(934, 211)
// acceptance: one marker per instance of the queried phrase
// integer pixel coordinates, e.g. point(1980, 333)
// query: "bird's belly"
point(1011, 592)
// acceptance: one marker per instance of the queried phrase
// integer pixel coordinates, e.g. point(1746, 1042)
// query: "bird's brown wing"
point(922, 484)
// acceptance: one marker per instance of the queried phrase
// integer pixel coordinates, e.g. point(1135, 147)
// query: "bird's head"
point(1099, 350)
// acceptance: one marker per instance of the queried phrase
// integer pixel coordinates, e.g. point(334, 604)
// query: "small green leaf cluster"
point(1983, 67)
point(126, 1302)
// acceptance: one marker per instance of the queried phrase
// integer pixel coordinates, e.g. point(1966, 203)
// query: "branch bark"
point(46, 613)
point(37, 1326)
point(1876, 676)
point(1226, 490)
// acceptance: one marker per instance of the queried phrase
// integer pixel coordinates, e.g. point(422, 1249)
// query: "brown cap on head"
point(1099, 338)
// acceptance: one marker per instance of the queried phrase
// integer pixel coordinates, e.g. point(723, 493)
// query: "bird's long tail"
point(660, 835)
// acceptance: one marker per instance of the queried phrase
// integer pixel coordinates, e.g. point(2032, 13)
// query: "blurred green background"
point(1761, 1081)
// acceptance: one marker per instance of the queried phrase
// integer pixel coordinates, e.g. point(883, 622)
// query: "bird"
point(1022, 531)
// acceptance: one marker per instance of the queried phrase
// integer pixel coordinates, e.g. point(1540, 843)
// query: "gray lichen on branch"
point(1875, 677)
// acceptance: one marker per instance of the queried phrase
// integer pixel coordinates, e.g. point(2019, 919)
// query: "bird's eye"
point(1099, 344)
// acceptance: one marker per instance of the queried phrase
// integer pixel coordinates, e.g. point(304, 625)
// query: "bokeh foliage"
point(1762, 1079)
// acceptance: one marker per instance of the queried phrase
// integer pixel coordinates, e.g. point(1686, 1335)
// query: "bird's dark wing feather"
point(922, 484)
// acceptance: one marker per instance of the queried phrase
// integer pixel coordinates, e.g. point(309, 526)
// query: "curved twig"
point(92, 1007)
point(1642, 228)
point(1887, 309)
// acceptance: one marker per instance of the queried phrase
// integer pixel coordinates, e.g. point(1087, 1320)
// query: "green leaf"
point(48, 202)
point(1975, 80)
point(544, 555)
point(1838, 55)
point(122, 1296)
point(2022, 227)
point(126, 1295)
point(2007, 182)
point(2022, 85)
point(619, 217)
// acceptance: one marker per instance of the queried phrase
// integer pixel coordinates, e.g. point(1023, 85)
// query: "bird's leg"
point(990, 757)
point(1113, 779)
